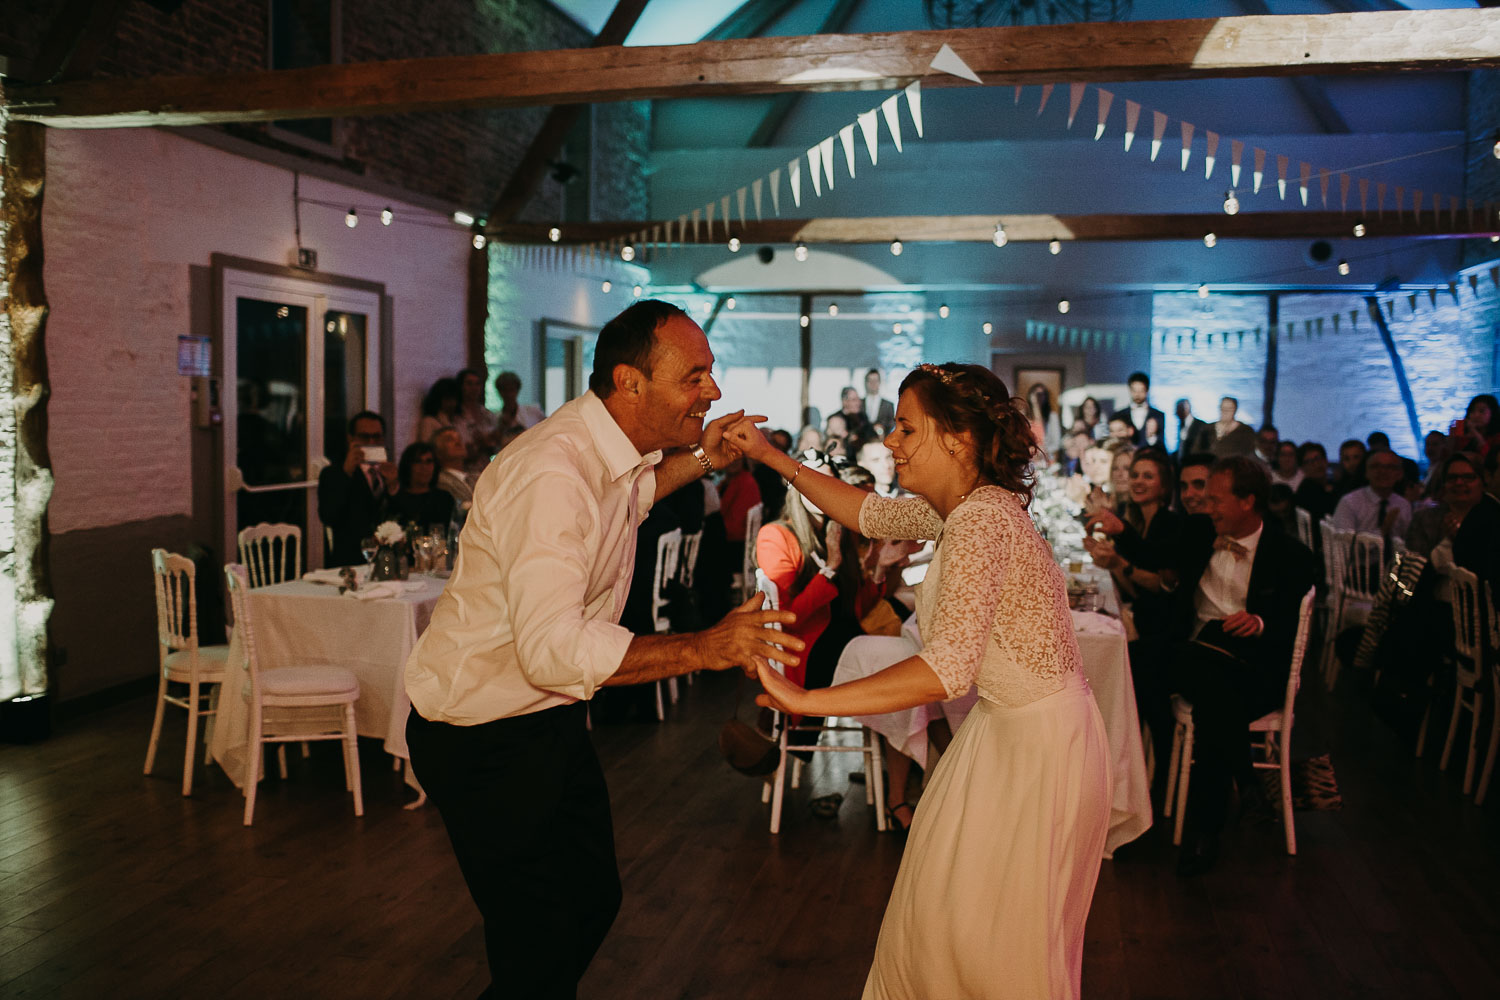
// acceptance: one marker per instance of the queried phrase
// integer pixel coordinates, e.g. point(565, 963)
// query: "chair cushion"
point(211, 663)
point(308, 681)
point(1268, 723)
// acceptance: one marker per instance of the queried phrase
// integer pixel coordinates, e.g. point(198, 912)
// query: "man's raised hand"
point(743, 637)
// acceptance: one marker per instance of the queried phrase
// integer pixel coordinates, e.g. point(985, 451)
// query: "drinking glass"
point(367, 547)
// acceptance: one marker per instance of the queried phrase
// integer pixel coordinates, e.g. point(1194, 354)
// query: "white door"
point(300, 359)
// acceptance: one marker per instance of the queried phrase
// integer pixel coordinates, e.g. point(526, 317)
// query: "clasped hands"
point(746, 639)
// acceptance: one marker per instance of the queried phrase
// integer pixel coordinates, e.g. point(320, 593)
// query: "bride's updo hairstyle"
point(971, 399)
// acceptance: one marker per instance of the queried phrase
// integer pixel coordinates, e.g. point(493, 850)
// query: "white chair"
point(181, 659)
point(688, 565)
point(1492, 619)
point(271, 553)
point(1276, 742)
point(1358, 561)
point(1468, 666)
point(1304, 527)
point(750, 564)
point(668, 553)
point(774, 790)
point(292, 704)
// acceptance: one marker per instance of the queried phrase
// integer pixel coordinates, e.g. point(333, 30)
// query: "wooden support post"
point(25, 469)
point(1398, 369)
point(806, 310)
point(1273, 316)
point(477, 307)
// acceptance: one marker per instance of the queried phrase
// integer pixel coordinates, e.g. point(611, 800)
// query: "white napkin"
point(377, 591)
point(1093, 623)
point(332, 575)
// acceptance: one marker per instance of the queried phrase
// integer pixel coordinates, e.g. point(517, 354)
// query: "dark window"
point(305, 33)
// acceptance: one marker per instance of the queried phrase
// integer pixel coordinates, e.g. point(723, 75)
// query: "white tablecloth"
point(310, 624)
point(1106, 664)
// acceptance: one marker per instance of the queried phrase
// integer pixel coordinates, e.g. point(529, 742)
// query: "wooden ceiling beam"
point(1026, 228)
point(1287, 45)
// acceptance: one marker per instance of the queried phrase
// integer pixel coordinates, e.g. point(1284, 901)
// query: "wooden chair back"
point(176, 602)
point(271, 553)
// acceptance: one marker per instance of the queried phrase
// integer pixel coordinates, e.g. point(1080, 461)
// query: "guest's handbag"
point(746, 749)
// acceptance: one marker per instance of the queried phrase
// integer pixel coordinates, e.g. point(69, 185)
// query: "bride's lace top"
point(994, 606)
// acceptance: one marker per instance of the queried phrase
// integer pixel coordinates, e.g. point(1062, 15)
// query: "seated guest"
point(351, 496)
point(1434, 452)
point(1192, 482)
point(881, 463)
point(1479, 430)
point(1376, 507)
point(439, 408)
point(1315, 494)
point(1464, 528)
point(1044, 413)
point(1120, 429)
point(808, 439)
point(453, 476)
point(476, 424)
point(1266, 440)
point(1092, 416)
point(857, 425)
point(1151, 434)
point(1350, 475)
point(514, 414)
point(1239, 597)
point(815, 564)
point(1119, 477)
point(1074, 445)
point(737, 494)
point(1230, 436)
point(1286, 470)
point(1281, 508)
point(1142, 556)
point(419, 501)
point(1378, 441)
point(835, 437)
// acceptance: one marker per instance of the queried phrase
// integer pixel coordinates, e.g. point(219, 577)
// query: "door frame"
point(385, 383)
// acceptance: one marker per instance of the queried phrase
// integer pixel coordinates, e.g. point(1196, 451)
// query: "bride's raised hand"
point(747, 437)
point(780, 693)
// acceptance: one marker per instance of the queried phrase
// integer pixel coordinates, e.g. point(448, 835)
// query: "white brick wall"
point(127, 213)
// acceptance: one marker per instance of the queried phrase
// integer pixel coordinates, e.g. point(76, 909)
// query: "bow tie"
point(1234, 548)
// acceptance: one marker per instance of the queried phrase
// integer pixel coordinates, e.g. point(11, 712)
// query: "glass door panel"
point(271, 405)
point(344, 377)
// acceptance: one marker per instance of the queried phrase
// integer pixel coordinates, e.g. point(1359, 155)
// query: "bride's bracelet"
point(793, 480)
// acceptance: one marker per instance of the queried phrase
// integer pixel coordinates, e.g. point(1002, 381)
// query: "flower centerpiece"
point(390, 554)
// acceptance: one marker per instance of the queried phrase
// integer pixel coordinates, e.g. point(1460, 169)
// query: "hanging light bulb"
point(554, 234)
point(479, 241)
point(386, 215)
point(1202, 291)
point(1343, 267)
point(1055, 247)
point(988, 328)
point(896, 248)
point(1231, 203)
point(707, 308)
point(804, 321)
point(606, 286)
point(1000, 239)
point(943, 311)
point(833, 308)
point(1210, 240)
point(352, 219)
point(1063, 305)
point(800, 251)
point(1495, 239)
point(1359, 229)
point(636, 291)
point(896, 328)
point(627, 253)
point(734, 244)
point(463, 218)
point(729, 303)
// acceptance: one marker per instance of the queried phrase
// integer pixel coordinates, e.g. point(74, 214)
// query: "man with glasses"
point(1376, 506)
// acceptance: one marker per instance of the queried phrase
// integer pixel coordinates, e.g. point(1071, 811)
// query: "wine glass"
point(367, 546)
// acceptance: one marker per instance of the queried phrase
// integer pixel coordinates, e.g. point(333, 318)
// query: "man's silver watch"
point(703, 460)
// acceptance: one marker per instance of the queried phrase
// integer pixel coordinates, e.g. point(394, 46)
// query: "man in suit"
point(1239, 594)
point(351, 496)
point(1193, 435)
point(1140, 407)
point(878, 411)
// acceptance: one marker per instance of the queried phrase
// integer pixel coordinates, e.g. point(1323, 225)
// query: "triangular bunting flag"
point(815, 170)
point(740, 203)
point(724, 214)
point(1260, 169)
point(697, 215)
point(914, 105)
point(846, 139)
point(1132, 118)
point(826, 148)
point(1303, 175)
point(870, 129)
point(1105, 100)
point(1432, 297)
point(1281, 162)
point(892, 119)
point(1158, 129)
point(1323, 184)
point(1075, 98)
point(1211, 149)
point(1046, 93)
point(794, 177)
point(776, 191)
point(755, 190)
point(709, 212)
point(1187, 144)
point(948, 61)
point(1343, 191)
point(1236, 153)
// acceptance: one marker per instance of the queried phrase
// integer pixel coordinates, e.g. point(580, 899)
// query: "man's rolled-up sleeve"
point(549, 548)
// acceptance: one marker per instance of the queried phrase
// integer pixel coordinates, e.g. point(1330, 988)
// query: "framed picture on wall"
point(1026, 377)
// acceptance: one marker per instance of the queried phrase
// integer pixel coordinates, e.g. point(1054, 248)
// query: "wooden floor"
point(112, 885)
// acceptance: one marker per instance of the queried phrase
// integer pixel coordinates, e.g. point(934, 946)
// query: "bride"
point(1004, 852)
